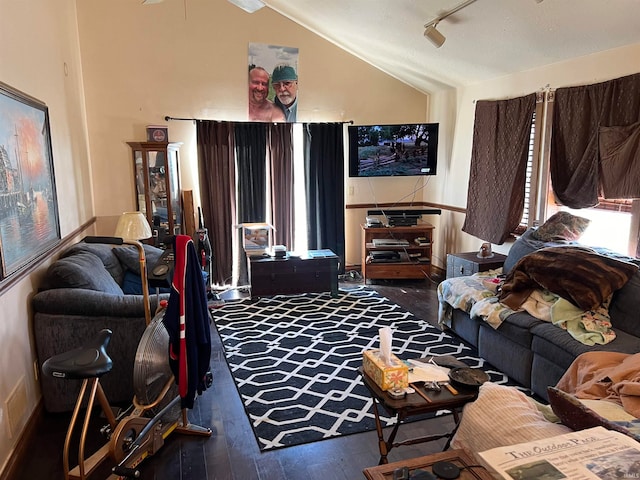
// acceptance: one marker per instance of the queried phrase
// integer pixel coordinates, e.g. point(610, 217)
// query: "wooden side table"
point(468, 263)
point(457, 457)
point(414, 404)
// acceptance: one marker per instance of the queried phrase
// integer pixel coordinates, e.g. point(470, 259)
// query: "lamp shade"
point(133, 226)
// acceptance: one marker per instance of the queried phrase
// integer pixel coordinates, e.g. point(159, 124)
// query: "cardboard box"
point(387, 377)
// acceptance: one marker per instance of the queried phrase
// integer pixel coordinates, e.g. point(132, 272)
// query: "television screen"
point(393, 150)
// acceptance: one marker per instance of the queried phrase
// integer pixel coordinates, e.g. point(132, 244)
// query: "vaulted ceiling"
point(486, 39)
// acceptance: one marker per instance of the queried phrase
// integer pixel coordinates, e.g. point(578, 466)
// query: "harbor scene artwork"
point(29, 222)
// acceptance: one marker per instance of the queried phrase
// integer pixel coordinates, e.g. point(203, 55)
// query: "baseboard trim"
point(27, 438)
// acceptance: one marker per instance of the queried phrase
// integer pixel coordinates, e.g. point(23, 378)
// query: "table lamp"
point(133, 227)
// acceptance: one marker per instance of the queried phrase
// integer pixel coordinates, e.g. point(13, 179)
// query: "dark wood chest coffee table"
point(311, 272)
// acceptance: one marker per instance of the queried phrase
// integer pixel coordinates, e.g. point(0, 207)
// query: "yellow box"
point(387, 377)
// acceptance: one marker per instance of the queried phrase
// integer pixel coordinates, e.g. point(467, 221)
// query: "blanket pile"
point(477, 295)
point(605, 376)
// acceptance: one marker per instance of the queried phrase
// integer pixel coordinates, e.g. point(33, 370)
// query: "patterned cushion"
point(562, 226)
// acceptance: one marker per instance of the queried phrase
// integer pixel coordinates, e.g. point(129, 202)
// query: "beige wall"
point(39, 55)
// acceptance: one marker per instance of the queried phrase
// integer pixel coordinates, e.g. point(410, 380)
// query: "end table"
point(468, 263)
point(414, 404)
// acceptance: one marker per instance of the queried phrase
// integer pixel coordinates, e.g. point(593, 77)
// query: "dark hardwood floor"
point(232, 451)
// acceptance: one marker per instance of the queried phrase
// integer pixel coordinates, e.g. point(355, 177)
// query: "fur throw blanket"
point(577, 274)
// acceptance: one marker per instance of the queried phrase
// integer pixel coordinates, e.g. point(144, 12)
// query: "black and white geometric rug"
point(295, 360)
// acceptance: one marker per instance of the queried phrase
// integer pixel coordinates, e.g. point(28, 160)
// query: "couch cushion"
point(506, 355)
point(517, 327)
point(527, 243)
point(103, 251)
point(82, 270)
point(556, 344)
point(625, 307)
point(524, 245)
point(130, 259)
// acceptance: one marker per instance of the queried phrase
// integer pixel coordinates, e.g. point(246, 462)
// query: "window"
point(612, 220)
point(608, 228)
point(528, 197)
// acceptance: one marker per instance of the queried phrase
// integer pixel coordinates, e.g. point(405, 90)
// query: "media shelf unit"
point(415, 258)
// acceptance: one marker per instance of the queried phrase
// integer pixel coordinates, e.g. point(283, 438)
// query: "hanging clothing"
point(187, 322)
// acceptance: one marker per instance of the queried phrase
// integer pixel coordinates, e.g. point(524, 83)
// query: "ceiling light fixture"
point(248, 5)
point(432, 33)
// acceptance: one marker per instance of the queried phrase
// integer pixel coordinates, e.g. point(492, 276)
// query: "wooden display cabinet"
point(158, 187)
point(413, 245)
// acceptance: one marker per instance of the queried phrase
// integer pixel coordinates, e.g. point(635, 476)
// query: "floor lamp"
point(133, 227)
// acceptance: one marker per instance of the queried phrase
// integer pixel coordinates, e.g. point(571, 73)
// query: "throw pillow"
point(502, 416)
point(103, 251)
point(562, 226)
point(625, 306)
point(524, 245)
point(132, 285)
point(82, 270)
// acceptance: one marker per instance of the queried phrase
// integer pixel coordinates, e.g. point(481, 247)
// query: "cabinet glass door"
point(157, 174)
point(174, 191)
point(158, 187)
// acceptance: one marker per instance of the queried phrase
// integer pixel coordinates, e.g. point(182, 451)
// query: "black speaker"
point(426, 211)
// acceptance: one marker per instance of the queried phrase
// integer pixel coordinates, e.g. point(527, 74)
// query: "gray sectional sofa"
point(91, 287)
point(536, 353)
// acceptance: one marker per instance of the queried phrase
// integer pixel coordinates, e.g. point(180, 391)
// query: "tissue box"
point(386, 377)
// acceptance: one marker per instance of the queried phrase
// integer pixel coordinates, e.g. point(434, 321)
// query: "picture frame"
point(257, 238)
point(29, 218)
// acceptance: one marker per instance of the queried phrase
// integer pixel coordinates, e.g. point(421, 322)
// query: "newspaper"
point(595, 453)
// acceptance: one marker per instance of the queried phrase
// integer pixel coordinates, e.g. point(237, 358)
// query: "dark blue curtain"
point(251, 148)
point(324, 165)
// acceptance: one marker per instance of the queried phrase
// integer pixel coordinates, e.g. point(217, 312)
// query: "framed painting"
point(29, 221)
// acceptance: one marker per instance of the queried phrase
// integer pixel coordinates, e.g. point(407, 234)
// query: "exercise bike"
point(139, 431)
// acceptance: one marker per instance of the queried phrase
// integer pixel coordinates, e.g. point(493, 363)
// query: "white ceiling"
point(487, 39)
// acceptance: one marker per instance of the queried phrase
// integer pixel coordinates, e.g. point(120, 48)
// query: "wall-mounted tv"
point(393, 150)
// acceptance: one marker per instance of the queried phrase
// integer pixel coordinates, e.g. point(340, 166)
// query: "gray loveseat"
point(536, 353)
point(91, 287)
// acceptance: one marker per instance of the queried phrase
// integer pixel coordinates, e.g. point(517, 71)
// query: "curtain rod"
point(168, 118)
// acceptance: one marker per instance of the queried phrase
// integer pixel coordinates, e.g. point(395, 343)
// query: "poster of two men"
point(273, 83)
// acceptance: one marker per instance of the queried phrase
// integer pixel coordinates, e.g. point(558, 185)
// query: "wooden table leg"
point(382, 445)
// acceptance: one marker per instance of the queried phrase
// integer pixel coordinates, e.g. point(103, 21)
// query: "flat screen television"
point(393, 150)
